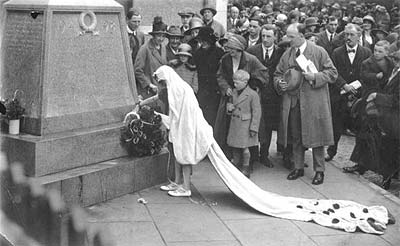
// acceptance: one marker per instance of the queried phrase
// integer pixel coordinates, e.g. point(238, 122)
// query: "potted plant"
point(14, 113)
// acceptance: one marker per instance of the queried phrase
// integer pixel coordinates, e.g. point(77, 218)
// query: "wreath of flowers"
point(142, 133)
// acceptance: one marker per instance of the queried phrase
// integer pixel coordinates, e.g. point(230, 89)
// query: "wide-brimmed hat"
point(213, 10)
point(174, 31)
point(369, 18)
point(376, 31)
point(159, 27)
point(194, 23)
point(186, 12)
point(184, 49)
point(336, 6)
point(256, 18)
point(311, 21)
point(281, 18)
point(206, 33)
point(293, 77)
point(357, 20)
point(380, 8)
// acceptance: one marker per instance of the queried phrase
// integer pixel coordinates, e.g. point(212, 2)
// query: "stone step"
point(106, 180)
point(42, 155)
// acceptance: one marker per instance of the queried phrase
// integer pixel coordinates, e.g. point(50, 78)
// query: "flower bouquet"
point(142, 133)
point(13, 112)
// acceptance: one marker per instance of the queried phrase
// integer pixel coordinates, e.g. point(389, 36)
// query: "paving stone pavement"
point(214, 216)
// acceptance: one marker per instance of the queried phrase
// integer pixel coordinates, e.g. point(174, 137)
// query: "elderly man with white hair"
point(233, 18)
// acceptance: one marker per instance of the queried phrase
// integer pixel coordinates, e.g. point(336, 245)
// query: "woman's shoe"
point(180, 192)
point(356, 168)
point(170, 187)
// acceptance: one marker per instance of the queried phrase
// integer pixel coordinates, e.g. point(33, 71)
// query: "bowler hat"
point(311, 21)
point(186, 12)
point(206, 33)
point(184, 49)
point(376, 31)
point(256, 18)
point(174, 31)
point(194, 23)
point(159, 27)
point(369, 18)
point(213, 10)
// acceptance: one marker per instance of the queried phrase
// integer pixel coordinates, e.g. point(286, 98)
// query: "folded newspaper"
point(306, 65)
point(356, 85)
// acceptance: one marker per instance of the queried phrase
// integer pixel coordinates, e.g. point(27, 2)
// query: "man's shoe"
point(295, 174)
point(328, 157)
point(266, 162)
point(180, 192)
point(169, 187)
point(353, 169)
point(318, 178)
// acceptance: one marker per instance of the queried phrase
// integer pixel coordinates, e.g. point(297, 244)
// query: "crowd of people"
point(310, 70)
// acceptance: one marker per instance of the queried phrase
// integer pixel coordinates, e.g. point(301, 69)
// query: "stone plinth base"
point(53, 153)
point(96, 183)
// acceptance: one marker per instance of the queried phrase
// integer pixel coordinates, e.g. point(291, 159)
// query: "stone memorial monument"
point(72, 61)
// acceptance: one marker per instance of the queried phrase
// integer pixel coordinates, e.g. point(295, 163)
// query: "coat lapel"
point(345, 57)
point(160, 58)
point(358, 55)
point(242, 97)
point(243, 61)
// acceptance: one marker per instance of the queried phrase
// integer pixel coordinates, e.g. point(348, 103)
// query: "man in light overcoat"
point(306, 110)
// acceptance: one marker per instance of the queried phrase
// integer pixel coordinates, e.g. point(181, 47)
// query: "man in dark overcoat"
point(347, 59)
point(269, 54)
point(305, 106)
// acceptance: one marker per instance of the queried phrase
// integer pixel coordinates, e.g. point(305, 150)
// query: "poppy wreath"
point(142, 134)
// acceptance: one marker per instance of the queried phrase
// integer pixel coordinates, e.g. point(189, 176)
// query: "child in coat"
point(184, 68)
point(245, 111)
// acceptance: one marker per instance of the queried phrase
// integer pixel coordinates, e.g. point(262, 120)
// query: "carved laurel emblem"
point(93, 22)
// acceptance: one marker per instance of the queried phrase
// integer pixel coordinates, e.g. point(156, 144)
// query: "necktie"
point(331, 38)
point(297, 52)
point(266, 56)
point(351, 51)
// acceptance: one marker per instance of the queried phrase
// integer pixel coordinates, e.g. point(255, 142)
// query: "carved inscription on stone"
point(22, 56)
point(87, 71)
